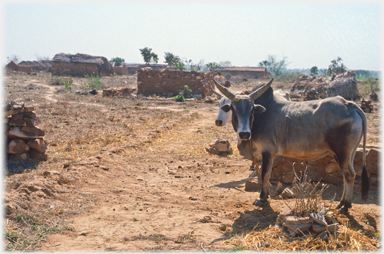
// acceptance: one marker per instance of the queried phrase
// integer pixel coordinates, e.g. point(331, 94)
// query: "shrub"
point(179, 98)
point(93, 81)
point(62, 81)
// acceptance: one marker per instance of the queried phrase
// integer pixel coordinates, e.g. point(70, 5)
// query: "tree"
point(213, 65)
point(314, 70)
point(264, 63)
point(117, 60)
point(336, 67)
point(148, 55)
point(275, 67)
point(171, 59)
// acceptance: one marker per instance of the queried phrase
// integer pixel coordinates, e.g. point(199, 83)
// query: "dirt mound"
point(319, 87)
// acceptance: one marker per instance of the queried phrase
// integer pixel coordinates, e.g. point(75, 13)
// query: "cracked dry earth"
point(161, 191)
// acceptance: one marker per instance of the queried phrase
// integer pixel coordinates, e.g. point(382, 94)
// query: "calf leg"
point(266, 169)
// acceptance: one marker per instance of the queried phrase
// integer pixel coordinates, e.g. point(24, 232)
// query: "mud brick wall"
point(24, 139)
point(120, 70)
point(74, 69)
point(165, 81)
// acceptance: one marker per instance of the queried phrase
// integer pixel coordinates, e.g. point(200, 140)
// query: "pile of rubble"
point(24, 138)
point(322, 223)
point(118, 92)
point(366, 106)
point(313, 87)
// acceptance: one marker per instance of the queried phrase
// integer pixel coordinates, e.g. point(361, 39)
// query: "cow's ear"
point(226, 107)
point(259, 109)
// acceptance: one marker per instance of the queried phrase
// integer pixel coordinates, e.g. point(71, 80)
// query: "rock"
point(93, 92)
point(17, 146)
point(192, 198)
point(38, 156)
point(9, 208)
point(318, 228)
point(31, 121)
point(222, 146)
point(334, 178)
point(253, 184)
point(298, 228)
point(313, 174)
point(33, 131)
point(294, 220)
point(366, 106)
point(287, 193)
point(372, 161)
point(38, 144)
point(319, 219)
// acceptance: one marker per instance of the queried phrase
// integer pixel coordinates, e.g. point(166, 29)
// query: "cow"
point(224, 117)
point(306, 130)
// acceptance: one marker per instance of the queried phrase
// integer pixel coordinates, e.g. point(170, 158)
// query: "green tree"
point(148, 55)
point(117, 60)
point(314, 70)
point(265, 64)
point(171, 59)
point(213, 65)
point(276, 68)
point(336, 66)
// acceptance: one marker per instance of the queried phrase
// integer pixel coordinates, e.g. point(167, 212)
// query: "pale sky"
point(243, 33)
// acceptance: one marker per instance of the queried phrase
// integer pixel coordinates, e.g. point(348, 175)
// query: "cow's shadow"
point(258, 219)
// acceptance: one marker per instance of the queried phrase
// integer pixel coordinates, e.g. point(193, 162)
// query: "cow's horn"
point(213, 90)
point(256, 94)
point(224, 91)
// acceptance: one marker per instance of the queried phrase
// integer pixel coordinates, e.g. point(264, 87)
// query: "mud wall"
point(74, 69)
point(166, 82)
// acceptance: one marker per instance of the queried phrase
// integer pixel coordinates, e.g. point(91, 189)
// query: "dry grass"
point(275, 240)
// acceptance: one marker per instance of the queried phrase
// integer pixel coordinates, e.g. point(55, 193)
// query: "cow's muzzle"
point(219, 122)
point(244, 135)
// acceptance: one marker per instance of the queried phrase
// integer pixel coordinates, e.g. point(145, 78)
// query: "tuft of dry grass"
point(272, 239)
point(307, 195)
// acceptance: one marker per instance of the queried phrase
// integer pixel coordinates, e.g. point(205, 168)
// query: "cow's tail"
point(364, 173)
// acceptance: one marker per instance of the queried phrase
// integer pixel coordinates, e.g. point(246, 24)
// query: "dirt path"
point(161, 202)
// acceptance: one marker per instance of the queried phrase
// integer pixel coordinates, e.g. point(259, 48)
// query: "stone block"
point(17, 146)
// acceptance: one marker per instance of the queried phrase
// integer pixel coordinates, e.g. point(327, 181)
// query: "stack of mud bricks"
point(172, 82)
point(24, 139)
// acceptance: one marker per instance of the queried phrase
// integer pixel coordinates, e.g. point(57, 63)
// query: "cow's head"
point(243, 108)
point(222, 117)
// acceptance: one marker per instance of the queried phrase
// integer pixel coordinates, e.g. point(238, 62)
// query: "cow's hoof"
point(340, 205)
point(343, 210)
point(259, 202)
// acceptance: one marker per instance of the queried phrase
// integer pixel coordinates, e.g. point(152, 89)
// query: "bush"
point(93, 81)
point(179, 98)
point(61, 81)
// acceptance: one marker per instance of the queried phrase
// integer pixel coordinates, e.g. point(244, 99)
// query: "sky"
point(244, 33)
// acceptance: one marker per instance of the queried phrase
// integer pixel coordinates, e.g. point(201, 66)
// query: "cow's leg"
point(349, 179)
point(266, 169)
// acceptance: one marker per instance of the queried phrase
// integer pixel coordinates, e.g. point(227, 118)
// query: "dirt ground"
point(127, 174)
